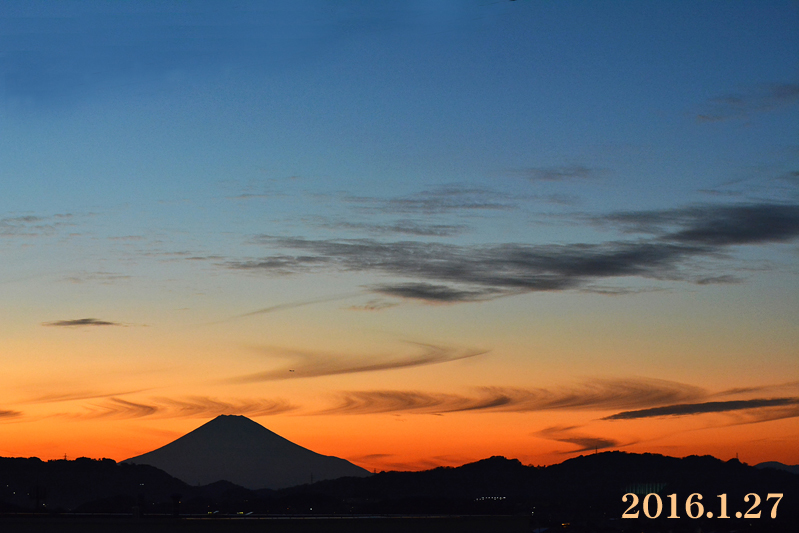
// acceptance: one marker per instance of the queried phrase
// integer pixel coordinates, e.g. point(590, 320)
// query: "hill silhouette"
point(585, 492)
point(794, 469)
point(241, 451)
point(33, 484)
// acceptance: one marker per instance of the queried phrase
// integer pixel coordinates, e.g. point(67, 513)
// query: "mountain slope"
point(236, 449)
point(793, 469)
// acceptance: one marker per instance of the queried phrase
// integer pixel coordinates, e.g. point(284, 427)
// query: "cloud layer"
point(742, 105)
point(32, 225)
point(435, 201)
point(564, 173)
point(592, 395)
point(439, 272)
point(584, 442)
point(191, 407)
point(706, 407)
point(315, 364)
point(81, 322)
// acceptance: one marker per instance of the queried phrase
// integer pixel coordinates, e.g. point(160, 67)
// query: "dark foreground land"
point(354, 524)
point(497, 495)
point(348, 524)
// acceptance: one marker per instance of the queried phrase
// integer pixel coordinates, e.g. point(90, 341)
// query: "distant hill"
point(793, 469)
point(584, 491)
point(27, 484)
point(241, 451)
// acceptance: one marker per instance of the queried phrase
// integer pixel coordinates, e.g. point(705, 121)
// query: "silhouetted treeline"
point(61, 485)
point(585, 492)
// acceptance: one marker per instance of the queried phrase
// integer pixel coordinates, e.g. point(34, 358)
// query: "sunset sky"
point(408, 234)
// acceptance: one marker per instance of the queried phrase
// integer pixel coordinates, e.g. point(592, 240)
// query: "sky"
point(408, 234)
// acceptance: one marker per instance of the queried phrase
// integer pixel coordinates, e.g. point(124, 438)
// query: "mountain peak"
point(242, 451)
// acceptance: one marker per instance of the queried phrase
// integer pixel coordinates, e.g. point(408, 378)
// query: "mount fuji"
point(237, 449)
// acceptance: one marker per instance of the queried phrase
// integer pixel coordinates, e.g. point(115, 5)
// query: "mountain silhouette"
point(237, 449)
point(793, 469)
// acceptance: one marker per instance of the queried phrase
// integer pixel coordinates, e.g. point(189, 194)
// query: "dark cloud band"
point(451, 273)
point(705, 407)
point(80, 322)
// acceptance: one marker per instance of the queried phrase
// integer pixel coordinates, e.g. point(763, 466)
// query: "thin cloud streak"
point(32, 225)
point(373, 305)
point(435, 293)
point(715, 226)
point(81, 322)
point(400, 227)
point(190, 407)
point(585, 442)
point(564, 173)
point(705, 407)
point(82, 395)
point(9, 414)
point(758, 99)
point(436, 201)
point(293, 305)
point(593, 395)
point(308, 364)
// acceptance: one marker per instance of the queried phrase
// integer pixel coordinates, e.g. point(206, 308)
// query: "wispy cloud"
point(399, 227)
point(106, 278)
point(9, 414)
point(791, 177)
point(563, 173)
point(436, 293)
point(81, 322)
point(585, 443)
point(315, 364)
point(435, 201)
point(715, 226)
point(592, 395)
point(32, 225)
point(705, 407)
point(78, 395)
point(373, 305)
point(190, 407)
point(292, 305)
point(757, 99)
point(439, 272)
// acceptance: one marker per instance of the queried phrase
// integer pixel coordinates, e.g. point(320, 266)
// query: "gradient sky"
point(408, 234)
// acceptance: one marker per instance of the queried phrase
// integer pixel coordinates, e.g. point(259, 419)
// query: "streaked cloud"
point(436, 201)
point(32, 225)
point(189, 407)
point(563, 173)
point(441, 272)
point(373, 305)
point(791, 177)
point(292, 305)
point(316, 364)
point(106, 278)
point(81, 322)
point(78, 395)
point(593, 395)
point(399, 227)
point(705, 407)
point(436, 293)
point(714, 225)
point(4, 413)
point(755, 100)
point(584, 442)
